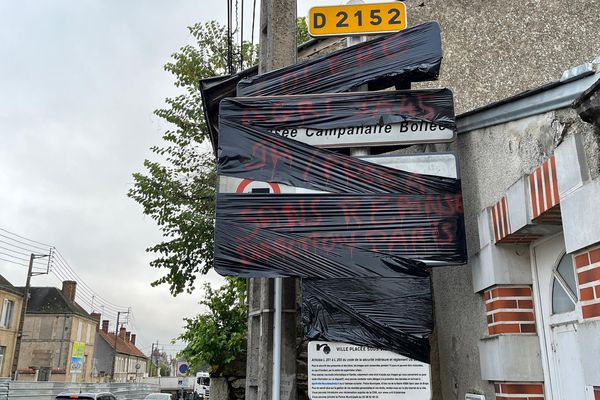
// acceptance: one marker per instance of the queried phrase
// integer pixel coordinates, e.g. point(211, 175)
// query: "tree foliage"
point(216, 337)
point(302, 35)
point(178, 191)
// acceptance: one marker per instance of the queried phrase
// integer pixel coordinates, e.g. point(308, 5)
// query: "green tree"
point(178, 190)
point(165, 370)
point(302, 35)
point(216, 337)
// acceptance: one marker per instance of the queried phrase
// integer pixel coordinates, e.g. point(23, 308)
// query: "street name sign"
point(357, 19)
point(407, 132)
point(345, 371)
point(356, 119)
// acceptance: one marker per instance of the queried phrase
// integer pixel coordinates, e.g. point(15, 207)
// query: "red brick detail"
point(520, 391)
point(597, 393)
point(582, 260)
point(500, 220)
point(543, 188)
point(586, 294)
point(595, 255)
point(587, 265)
point(504, 328)
point(525, 304)
point(588, 276)
point(509, 310)
point(591, 310)
point(528, 328)
point(511, 292)
point(494, 305)
point(513, 316)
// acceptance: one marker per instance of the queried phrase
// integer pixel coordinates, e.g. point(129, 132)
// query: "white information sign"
point(344, 371)
point(370, 135)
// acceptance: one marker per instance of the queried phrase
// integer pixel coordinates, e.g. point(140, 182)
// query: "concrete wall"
point(494, 49)
point(8, 336)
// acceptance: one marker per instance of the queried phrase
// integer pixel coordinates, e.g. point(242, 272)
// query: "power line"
point(40, 248)
point(61, 270)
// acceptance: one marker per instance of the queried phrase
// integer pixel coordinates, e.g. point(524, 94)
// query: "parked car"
point(86, 396)
point(158, 396)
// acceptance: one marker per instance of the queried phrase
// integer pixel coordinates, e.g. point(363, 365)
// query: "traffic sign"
point(182, 368)
point(357, 19)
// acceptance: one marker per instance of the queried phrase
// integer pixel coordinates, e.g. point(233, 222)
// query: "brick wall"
point(509, 309)
point(519, 391)
point(587, 264)
point(597, 393)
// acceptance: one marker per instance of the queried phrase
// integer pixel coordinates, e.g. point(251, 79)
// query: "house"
point(11, 301)
point(58, 337)
point(130, 362)
point(523, 317)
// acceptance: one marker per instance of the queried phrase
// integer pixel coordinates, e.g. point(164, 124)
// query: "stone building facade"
point(11, 301)
point(130, 363)
point(58, 337)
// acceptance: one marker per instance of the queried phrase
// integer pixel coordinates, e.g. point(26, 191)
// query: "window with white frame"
point(7, 313)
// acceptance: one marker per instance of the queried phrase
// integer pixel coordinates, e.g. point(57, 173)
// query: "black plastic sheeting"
point(326, 111)
point(394, 314)
point(212, 91)
point(412, 55)
point(335, 235)
point(255, 153)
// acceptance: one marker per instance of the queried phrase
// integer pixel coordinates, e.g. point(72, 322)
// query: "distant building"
point(58, 337)
point(11, 301)
point(129, 361)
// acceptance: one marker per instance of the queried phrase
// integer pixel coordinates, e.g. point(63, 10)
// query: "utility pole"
point(272, 302)
point(151, 359)
point(24, 312)
point(116, 340)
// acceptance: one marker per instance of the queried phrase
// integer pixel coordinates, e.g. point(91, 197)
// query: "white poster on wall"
point(345, 371)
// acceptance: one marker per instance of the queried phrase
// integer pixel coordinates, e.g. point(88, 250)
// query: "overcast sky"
point(79, 80)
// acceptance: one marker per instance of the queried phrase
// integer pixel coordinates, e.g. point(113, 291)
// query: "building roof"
point(123, 346)
point(8, 287)
point(51, 300)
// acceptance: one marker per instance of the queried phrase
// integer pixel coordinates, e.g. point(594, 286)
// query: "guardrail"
point(15, 390)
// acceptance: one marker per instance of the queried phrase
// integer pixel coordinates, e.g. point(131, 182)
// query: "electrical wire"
point(58, 267)
point(24, 238)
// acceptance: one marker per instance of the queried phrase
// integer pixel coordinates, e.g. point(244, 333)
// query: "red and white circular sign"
point(247, 185)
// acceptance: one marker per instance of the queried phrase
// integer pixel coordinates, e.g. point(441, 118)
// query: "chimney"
point(69, 288)
point(105, 326)
point(133, 339)
point(122, 332)
point(127, 336)
point(96, 316)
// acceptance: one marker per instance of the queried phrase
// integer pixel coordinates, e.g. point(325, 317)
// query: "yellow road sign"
point(357, 19)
